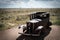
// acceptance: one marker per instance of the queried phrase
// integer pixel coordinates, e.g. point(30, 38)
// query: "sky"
point(29, 3)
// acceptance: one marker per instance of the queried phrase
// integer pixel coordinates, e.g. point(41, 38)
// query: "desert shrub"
point(21, 17)
point(1, 25)
point(4, 18)
point(57, 22)
point(18, 18)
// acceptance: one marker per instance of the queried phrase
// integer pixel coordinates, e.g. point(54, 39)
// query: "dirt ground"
point(12, 34)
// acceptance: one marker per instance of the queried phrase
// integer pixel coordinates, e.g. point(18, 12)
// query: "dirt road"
point(54, 34)
point(12, 34)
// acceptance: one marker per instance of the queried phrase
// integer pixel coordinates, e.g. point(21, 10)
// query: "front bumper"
point(29, 34)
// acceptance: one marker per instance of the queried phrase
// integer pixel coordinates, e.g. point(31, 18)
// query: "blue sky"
point(29, 3)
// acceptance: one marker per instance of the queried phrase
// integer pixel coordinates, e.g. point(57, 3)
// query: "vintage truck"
point(36, 26)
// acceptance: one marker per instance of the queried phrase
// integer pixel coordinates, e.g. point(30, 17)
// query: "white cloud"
point(44, 0)
point(40, 4)
point(29, 4)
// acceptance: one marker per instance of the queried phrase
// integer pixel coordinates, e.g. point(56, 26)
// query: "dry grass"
point(20, 16)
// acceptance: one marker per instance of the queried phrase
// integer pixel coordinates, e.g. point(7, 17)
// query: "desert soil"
point(12, 34)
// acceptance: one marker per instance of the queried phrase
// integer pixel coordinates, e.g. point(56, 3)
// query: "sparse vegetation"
point(1, 25)
point(20, 16)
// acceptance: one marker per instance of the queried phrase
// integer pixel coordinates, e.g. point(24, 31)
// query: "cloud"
point(47, 0)
point(41, 4)
point(44, 0)
point(57, 0)
point(9, 1)
point(29, 4)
